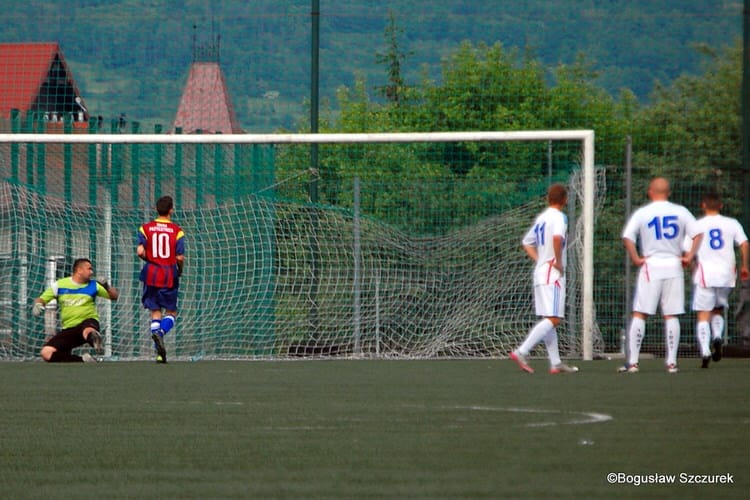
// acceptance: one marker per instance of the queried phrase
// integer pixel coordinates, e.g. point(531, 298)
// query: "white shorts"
point(708, 299)
point(669, 293)
point(550, 299)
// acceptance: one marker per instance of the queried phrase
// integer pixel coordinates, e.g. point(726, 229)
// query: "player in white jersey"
point(715, 274)
point(660, 227)
point(545, 245)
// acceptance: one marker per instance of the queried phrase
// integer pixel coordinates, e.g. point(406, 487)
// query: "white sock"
point(672, 334)
point(635, 337)
point(535, 336)
point(703, 332)
point(550, 342)
point(717, 325)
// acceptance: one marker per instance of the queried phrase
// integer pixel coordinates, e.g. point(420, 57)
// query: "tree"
point(692, 129)
point(393, 60)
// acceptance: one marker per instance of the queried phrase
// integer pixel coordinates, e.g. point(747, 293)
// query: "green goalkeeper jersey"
point(75, 300)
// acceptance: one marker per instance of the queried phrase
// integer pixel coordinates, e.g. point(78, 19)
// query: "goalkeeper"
point(80, 321)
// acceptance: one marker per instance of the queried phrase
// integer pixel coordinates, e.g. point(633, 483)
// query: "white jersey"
point(661, 227)
point(550, 223)
point(716, 258)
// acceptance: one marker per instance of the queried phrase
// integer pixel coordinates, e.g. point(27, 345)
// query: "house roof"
point(205, 104)
point(26, 73)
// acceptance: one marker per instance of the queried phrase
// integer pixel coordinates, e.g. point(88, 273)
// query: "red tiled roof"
point(23, 70)
point(205, 102)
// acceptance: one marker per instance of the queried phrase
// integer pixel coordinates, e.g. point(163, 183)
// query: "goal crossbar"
point(491, 136)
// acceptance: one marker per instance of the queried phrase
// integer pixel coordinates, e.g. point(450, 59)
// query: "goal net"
point(379, 249)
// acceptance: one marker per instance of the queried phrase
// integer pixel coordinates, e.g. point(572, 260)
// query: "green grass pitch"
point(371, 429)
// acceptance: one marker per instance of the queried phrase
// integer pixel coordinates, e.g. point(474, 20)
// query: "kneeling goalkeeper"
point(75, 296)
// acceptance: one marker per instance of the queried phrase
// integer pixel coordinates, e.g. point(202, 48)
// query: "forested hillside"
point(133, 56)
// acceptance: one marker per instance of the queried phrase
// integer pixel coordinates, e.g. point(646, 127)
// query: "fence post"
point(178, 170)
point(115, 164)
point(218, 170)
point(135, 166)
point(157, 166)
point(17, 295)
point(41, 155)
point(28, 128)
point(93, 184)
point(357, 251)
point(571, 278)
point(628, 210)
point(14, 128)
point(238, 150)
point(199, 182)
point(68, 183)
point(41, 179)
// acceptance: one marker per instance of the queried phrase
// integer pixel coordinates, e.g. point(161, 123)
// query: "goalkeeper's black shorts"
point(69, 338)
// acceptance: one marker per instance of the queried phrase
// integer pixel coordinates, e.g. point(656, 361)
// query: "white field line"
point(566, 417)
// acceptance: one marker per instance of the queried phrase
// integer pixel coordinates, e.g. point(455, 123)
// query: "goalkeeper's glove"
point(103, 282)
point(38, 309)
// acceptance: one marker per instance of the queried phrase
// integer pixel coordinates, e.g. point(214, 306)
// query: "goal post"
point(267, 215)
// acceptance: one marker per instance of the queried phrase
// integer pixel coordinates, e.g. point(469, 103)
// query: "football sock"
point(155, 326)
point(553, 352)
point(635, 337)
point(167, 323)
point(703, 334)
point(717, 325)
point(672, 334)
point(535, 336)
point(65, 357)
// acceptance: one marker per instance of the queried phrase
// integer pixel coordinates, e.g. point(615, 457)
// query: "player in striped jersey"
point(161, 244)
point(75, 297)
point(545, 245)
point(716, 273)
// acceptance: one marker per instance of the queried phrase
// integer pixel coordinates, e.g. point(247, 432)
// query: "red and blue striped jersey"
point(163, 241)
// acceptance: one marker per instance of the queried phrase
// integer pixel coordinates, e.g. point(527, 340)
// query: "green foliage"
point(482, 88)
point(693, 123)
point(693, 128)
point(132, 57)
point(393, 59)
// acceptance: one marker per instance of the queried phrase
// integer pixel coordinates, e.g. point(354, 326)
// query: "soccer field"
point(356, 429)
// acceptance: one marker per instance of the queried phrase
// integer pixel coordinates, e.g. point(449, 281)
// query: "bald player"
point(659, 228)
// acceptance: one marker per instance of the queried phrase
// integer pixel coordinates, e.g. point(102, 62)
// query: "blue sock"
point(167, 323)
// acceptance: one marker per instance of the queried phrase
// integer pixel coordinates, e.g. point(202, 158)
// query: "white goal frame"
point(586, 137)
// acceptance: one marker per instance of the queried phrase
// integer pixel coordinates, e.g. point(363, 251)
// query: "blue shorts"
point(156, 299)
